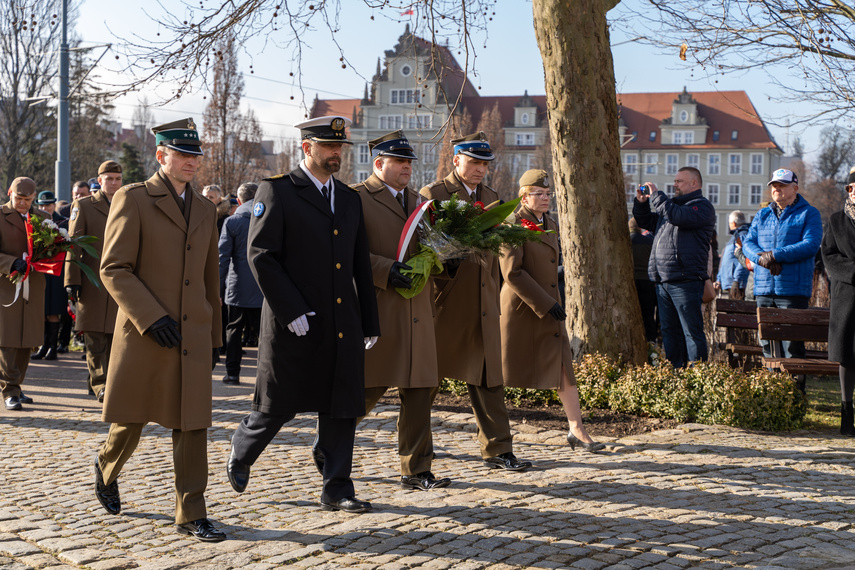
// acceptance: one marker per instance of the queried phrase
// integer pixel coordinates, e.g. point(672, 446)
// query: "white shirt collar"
point(318, 184)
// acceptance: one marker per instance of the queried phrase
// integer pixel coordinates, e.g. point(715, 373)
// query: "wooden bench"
point(738, 318)
point(807, 325)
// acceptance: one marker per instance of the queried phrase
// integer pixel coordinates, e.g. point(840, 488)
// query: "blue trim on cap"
point(472, 146)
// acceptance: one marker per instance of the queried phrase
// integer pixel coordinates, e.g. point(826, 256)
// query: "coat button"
point(185, 353)
point(415, 320)
point(187, 282)
point(483, 313)
point(340, 335)
point(335, 232)
point(557, 335)
point(338, 300)
point(338, 265)
point(184, 318)
point(553, 285)
point(483, 284)
point(188, 247)
point(552, 260)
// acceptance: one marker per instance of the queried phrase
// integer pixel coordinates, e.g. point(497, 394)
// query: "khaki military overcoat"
point(96, 309)
point(22, 325)
point(467, 307)
point(405, 356)
point(155, 264)
point(534, 344)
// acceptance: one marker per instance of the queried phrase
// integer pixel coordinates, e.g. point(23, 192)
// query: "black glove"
point(19, 265)
point(73, 292)
point(775, 268)
point(165, 332)
point(215, 357)
point(766, 259)
point(557, 312)
point(396, 278)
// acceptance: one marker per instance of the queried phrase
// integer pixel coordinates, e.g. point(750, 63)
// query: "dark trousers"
point(646, 290)
point(791, 348)
point(66, 324)
point(681, 316)
point(415, 442)
point(335, 440)
point(189, 458)
point(240, 318)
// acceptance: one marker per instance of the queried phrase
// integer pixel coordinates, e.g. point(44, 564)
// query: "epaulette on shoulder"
point(128, 187)
point(277, 177)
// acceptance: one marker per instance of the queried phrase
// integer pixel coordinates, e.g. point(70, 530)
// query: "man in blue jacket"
point(732, 276)
point(240, 291)
point(782, 243)
point(679, 264)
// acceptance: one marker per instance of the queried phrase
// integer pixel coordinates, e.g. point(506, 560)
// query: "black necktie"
point(181, 204)
point(399, 196)
point(326, 193)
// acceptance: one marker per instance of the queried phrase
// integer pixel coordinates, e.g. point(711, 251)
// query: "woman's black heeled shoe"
point(590, 447)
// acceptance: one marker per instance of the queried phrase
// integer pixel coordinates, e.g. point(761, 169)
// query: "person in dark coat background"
point(308, 249)
point(56, 301)
point(241, 294)
point(838, 254)
point(642, 245)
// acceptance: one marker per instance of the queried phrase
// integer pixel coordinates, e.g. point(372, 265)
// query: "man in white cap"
point(782, 243)
point(308, 250)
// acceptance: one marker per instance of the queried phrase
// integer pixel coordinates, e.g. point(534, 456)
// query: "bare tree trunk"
point(602, 307)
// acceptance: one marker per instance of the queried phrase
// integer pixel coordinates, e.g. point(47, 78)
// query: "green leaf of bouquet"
point(87, 271)
point(495, 215)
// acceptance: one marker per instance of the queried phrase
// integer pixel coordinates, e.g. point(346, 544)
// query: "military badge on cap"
point(535, 177)
point(325, 129)
point(258, 209)
point(179, 135)
point(474, 145)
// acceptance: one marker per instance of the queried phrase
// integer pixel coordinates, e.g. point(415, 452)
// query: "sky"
point(509, 64)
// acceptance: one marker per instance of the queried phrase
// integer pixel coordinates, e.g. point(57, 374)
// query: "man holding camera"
point(683, 227)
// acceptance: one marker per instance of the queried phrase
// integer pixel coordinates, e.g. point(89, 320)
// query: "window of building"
point(428, 152)
point(734, 135)
point(652, 136)
point(364, 154)
point(419, 121)
point(651, 161)
point(406, 70)
point(677, 137)
point(634, 135)
point(524, 118)
point(712, 193)
point(684, 116)
point(756, 164)
point(669, 190)
point(683, 137)
point(714, 164)
point(630, 163)
point(390, 122)
point(671, 163)
point(735, 162)
point(715, 136)
point(362, 175)
point(756, 194)
point(525, 139)
point(733, 191)
point(404, 96)
point(693, 160)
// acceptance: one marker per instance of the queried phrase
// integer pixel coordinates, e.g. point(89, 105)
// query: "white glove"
point(300, 325)
point(370, 341)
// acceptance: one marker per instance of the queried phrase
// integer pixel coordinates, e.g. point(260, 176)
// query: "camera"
point(644, 189)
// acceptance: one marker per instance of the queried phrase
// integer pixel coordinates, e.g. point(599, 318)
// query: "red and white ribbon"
point(410, 228)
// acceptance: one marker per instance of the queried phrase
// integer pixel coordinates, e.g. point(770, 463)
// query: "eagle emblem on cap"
point(191, 125)
point(546, 181)
point(337, 124)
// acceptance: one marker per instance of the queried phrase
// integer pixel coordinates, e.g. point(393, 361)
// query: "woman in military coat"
point(535, 346)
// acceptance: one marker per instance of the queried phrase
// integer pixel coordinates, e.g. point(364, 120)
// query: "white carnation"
point(49, 224)
point(63, 232)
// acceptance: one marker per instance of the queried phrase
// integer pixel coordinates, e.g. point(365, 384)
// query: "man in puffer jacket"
point(683, 227)
point(782, 243)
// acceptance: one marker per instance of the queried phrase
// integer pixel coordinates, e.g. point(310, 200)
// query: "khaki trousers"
point(13, 368)
point(189, 457)
point(415, 441)
point(97, 346)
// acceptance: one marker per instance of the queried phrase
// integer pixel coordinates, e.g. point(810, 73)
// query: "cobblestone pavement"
point(693, 497)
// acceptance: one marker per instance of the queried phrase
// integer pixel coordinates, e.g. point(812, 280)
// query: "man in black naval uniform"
point(309, 252)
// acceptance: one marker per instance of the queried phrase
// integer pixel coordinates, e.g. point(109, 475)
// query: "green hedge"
point(708, 393)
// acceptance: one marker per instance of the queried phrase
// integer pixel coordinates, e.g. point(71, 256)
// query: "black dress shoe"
point(590, 447)
point(201, 529)
point(238, 473)
point(508, 462)
point(25, 399)
point(62, 349)
point(424, 481)
point(231, 380)
point(40, 354)
point(108, 495)
point(101, 395)
point(318, 456)
point(51, 354)
point(347, 504)
point(13, 403)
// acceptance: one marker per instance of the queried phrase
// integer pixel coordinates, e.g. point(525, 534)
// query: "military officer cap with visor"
point(474, 145)
point(393, 144)
point(330, 129)
point(179, 135)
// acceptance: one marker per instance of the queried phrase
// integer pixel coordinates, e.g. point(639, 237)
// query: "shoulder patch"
point(277, 177)
point(74, 213)
point(258, 209)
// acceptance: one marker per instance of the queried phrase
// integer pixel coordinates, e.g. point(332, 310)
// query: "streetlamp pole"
point(63, 165)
